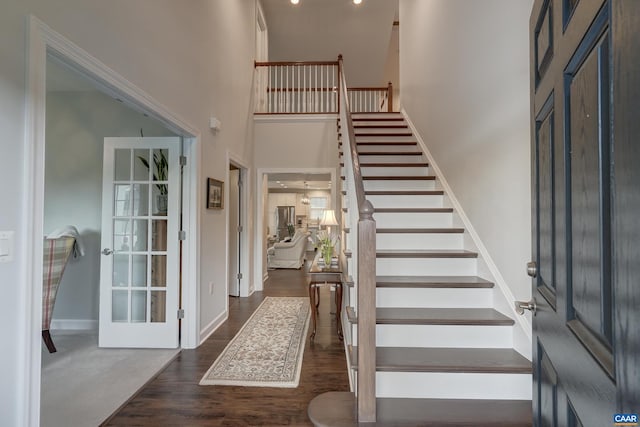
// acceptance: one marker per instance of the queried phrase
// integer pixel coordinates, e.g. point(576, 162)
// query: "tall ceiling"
point(320, 30)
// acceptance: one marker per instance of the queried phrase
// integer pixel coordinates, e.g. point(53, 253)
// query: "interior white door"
point(139, 274)
point(234, 233)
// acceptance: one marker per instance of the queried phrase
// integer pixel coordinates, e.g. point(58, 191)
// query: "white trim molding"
point(208, 330)
point(294, 118)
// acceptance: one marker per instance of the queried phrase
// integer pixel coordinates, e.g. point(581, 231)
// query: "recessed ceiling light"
point(278, 182)
point(298, 1)
point(354, 1)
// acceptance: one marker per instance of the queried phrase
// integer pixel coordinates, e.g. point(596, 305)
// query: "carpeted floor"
point(82, 385)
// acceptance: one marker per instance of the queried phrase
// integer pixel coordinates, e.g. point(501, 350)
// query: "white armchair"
point(288, 254)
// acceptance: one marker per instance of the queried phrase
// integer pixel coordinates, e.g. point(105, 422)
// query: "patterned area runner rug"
point(268, 350)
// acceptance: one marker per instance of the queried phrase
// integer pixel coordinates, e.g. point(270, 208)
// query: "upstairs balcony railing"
point(311, 87)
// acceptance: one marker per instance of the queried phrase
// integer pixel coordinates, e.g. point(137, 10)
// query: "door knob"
point(107, 251)
point(532, 269)
point(531, 305)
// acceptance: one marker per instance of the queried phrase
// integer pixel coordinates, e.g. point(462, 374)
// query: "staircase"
point(444, 354)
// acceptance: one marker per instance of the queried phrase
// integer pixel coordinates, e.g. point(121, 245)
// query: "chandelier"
point(305, 200)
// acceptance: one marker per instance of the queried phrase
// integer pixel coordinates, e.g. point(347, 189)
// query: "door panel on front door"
point(574, 194)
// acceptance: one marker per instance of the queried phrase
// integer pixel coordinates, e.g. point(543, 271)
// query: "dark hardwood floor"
point(174, 397)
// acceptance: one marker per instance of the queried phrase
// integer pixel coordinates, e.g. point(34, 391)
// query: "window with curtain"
point(317, 206)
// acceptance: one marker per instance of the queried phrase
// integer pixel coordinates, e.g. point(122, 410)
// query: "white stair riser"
point(391, 131)
point(390, 148)
point(406, 201)
point(399, 185)
point(357, 123)
point(385, 138)
point(385, 115)
point(419, 240)
point(370, 158)
point(447, 385)
point(425, 220)
point(434, 297)
point(426, 266)
point(395, 171)
point(441, 336)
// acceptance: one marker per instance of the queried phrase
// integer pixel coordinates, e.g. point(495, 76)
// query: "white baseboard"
point(74, 324)
point(212, 326)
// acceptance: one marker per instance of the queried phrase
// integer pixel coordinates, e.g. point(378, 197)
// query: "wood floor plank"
point(174, 397)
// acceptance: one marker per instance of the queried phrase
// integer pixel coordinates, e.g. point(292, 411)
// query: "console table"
point(320, 277)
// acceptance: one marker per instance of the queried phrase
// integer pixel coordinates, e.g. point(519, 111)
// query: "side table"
point(321, 277)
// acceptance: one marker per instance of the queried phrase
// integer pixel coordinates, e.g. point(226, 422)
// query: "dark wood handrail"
point(294, 63)
point(367, 89)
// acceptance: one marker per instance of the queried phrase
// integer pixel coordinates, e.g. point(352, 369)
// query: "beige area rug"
point(268, 350)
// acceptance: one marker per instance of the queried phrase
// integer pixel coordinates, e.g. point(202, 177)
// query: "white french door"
point(139, 274)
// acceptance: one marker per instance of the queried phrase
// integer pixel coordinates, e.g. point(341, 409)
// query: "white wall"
point(464, 78)
point(77, 123)
point(179, 55)
point(296, 143)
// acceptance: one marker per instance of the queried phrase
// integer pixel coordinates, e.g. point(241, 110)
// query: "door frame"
point(43, 42)
point(246, 287)
point(261, 240)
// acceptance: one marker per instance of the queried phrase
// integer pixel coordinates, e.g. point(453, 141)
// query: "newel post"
point(390, 97)
point(366, 314)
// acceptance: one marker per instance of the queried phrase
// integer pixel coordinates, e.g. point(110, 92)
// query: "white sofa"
point(288, 254)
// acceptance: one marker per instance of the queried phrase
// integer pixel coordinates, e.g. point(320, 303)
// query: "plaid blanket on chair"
point(56, 255)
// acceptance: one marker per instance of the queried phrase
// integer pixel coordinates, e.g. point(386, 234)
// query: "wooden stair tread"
point(476, 360)
point(388, 164)
point(412, 210)
point(337, 409)
point(357, 135)
point(393, 118)
point(432, 282)
point(425, 253)
point(404, 192)
point(436, 316)
point(378, 126)
point(398, 178)
point(402, 143)
point(391, 153)
point(419, 230)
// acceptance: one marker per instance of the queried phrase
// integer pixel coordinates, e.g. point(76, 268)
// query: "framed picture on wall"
point(215, 194)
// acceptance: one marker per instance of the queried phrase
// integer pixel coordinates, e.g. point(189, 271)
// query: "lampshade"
point(328, 218)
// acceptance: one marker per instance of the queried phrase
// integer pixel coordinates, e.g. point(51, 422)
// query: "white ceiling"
point(317, 30)
point(296, 181)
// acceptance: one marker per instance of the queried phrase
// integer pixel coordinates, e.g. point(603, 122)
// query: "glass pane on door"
point(140, 192)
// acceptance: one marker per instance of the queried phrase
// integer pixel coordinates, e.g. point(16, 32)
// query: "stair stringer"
point(504, 299)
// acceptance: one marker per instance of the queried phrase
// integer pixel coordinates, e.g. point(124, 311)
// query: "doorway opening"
point(303, 195)
point(47, 47)
point(238, 262)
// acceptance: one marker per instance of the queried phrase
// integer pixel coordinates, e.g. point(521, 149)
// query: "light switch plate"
point(6, 246)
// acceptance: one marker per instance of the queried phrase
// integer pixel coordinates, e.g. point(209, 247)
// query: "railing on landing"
point(312, 88)
point(362, 244)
